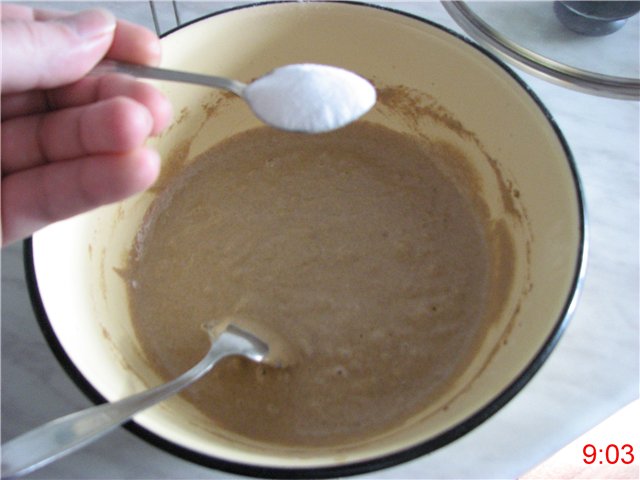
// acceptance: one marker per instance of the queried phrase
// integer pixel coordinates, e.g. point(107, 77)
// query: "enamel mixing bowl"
point(446, 89)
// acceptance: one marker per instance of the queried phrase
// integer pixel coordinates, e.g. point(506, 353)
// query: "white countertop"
point(593, 372)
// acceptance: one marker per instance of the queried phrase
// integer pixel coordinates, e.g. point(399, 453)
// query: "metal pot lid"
point(539, 37)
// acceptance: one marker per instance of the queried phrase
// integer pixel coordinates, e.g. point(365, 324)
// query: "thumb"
point(52, 53)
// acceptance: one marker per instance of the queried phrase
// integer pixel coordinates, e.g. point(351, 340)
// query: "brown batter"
point(352, 246)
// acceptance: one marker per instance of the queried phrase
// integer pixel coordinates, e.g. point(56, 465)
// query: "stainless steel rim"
point(559, 73)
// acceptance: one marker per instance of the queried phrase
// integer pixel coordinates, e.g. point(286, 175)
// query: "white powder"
point(310, 98)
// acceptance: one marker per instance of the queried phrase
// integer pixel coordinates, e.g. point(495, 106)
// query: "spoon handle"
point(65, 435)
point(154, 73)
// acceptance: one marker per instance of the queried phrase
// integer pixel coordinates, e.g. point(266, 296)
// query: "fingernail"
point(155, 162)
point(90, 23)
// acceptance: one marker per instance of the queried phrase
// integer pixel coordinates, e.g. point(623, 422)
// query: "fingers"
point(86, 91)
point(135, 44)
point(115, 125)
point(131, 43)
point(46, 49)
point(93, 89)
point(88, 150)
point(34, 198)
point(47, 54)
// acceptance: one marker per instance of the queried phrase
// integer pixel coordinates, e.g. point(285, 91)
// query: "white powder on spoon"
point(310, 98)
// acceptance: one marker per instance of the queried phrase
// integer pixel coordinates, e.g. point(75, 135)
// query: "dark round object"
point(595, 18)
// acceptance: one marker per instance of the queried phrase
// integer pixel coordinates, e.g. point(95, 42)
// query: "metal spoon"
point(306, 98)
point(58, 438)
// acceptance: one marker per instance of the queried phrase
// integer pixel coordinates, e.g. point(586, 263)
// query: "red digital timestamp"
point(611, 454)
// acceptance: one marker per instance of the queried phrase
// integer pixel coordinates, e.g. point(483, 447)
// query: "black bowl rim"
point(391, 459)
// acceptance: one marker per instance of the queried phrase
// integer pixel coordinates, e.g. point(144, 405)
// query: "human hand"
point(71, 143)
